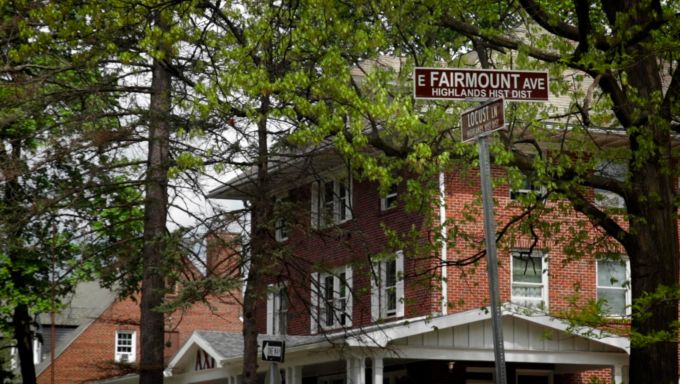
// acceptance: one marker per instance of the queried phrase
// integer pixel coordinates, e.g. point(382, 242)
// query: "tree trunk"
point(260, 241)
point(24, 337)
point(155, 215)
point(654, 251)
point(654, 263)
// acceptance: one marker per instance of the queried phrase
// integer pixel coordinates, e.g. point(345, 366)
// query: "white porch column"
point(377, 370)
point(356, 370)
point(620, 374)
point(294, 375)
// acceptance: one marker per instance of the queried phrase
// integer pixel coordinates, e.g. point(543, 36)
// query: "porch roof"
point(527, 333)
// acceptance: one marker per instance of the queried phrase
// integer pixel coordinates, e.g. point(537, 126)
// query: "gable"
point(518, 335)
point(472, 330)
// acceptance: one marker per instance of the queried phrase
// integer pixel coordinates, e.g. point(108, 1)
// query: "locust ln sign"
point(461, 84)
point(482, 120)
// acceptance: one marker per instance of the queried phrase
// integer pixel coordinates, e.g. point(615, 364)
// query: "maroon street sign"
point(458, 83)
point(484, 119)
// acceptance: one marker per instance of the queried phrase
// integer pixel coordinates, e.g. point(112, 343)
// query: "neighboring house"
point(98, 334)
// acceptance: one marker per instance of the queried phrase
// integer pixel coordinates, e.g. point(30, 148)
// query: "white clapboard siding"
point(519, 335)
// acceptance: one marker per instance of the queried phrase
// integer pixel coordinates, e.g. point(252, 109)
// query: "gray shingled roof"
point(230, 345)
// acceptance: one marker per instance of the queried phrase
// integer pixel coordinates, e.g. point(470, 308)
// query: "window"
point(527, 186)
point(125, 347)
point(277, 309)
point(603, 197)
point(613, 286)
point(529, 279)
point(331, 202)
point(332, 299)
point(337, 306)
point(387, 288)
point(390, 200)
point(281, 226)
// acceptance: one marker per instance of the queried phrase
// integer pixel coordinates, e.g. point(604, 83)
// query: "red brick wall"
point(91, 355)
point(352, 243)
point(571, 280)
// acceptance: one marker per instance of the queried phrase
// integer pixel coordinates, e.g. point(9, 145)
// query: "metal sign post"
point(273, 351)
point(478, 123)
point(491, 259)
point(492, 86)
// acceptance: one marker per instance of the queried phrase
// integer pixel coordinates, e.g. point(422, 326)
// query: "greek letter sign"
point(486, 118)
point(458, 83)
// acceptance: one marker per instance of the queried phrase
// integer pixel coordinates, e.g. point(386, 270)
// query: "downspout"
point(444, 248)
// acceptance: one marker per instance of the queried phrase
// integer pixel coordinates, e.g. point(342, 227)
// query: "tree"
point(621, 62)
point(625, 48)
point(48, 163)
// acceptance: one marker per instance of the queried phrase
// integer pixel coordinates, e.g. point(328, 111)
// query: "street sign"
point(273, 350)
point(484, 119)
point(461, 84)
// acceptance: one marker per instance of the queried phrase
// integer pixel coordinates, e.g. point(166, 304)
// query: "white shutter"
point(400, 283)
point(270, 310)
point(315, 201)
point(376, 278)
point(314, 304)
point(350, 296)
point(349, 205)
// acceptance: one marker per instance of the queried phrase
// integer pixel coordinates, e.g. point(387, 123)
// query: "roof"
point(88, 301)
point(227, 348)
point(382, 336)
point(223, 346)
point(285, 169)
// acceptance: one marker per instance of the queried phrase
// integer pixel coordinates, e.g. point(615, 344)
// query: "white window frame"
point(381, 292)
point(277, 309)
point(281, 225)
point(335, 209)
point(342, 296)
point(389, 201)
point(130, 355)
point(528, 187)
point(625, 285)
point(37, 350)
point(542, 302)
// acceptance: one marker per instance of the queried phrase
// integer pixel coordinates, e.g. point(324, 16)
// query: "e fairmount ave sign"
point(458, 83)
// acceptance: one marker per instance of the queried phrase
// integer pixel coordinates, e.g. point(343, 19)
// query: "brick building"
point(354, 307)
point(106, 342)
